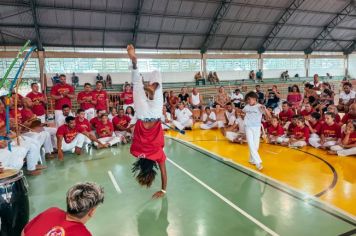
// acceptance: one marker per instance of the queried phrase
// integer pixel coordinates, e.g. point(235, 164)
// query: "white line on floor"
point(227, 201)
point(114, 182)
point(276, 153)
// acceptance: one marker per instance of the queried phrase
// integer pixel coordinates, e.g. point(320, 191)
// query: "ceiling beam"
point(351, 48)
point(219, 15)
point(37, 30)
point(137, 21)
point(319, 41)
point(279, 24)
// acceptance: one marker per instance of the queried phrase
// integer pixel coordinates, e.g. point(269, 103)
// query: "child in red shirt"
point(286, 115)
point(314, 126)
point(308, 109)
point(330, 132)
point(105, 132)
point(347, 146)
point(274, 131)
point(300, 134)
point(82, 201)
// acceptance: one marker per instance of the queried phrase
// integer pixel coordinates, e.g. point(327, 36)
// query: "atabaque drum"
point(14, 204)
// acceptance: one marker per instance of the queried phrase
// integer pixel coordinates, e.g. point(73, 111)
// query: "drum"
point(14, 204)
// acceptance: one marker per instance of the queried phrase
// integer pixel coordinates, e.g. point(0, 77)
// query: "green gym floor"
point(206, 196)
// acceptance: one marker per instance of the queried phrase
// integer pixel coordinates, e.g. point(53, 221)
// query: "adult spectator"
point(63, 94)
point(86, 102)
point(252, 76)
point(216, 77)
point(211, 78)
point(222, 97)
point(184, 96)
point(237, 97)
point(285, 75)
point(347, 97)
point(166, 118)
point(55, 79)
point(99, 78)
point(82, 201)
point(69, 138)
point(66, 111)
point(100, 97)
point(108, 81)
point(127, 97)
point(39, 102)
point(183, 117)
point(351, 115)
point(259, 75)
point(274, 97)
point(173, 101)
point(166, 98)
point(317, 84)
point(199, 77)
point(261, 95)
point(75, 80)
point(294, 97)
point(196, 99)
point(310, 95)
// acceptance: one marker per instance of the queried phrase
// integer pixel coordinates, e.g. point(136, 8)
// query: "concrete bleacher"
point(209, 91)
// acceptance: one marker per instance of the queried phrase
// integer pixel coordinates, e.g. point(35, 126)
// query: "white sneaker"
point(259, 167)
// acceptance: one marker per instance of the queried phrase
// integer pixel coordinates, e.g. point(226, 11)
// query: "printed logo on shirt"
point(56, 231)
point(63, 90)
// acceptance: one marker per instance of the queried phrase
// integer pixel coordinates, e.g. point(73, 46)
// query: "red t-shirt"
point(300, 133)
point(100, 97)
point(285, 116)
point(291, 128)
point(316, 126)
point(331, 131)
point(83, 96)
point(127, 97)
point(2, 122)
point(306, 113)
point(67, 133)
point(58, 90)
point(26, 114)
point(352, 138)
point(104, 130)
point(275, 131)
point(82, 126)
point(122, 121)
point(347, 117)
point(94, 121)
point(12, 114)
point(53, 222)
point(38, 106)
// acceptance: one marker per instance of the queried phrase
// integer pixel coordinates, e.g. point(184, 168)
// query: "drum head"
point(8, 173)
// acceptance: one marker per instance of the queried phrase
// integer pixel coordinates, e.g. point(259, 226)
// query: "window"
point(231, 64)
point(321, 66)
point(31, 70)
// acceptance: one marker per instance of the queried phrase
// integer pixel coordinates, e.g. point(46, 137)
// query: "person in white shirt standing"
point(209, 119)
point(183, 117)
point(253, 117)
point(347, 97)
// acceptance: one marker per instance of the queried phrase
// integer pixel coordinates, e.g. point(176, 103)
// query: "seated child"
point(330, 133)
point(314, 126)
point(209, 119)
point(299, 136)
point(236, 133)
point(275, 131)
point(286, 115)
point(347, 146)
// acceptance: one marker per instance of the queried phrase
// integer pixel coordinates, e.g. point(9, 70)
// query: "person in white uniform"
point(253, 117)
point(66, 111)
point(230, 116)
point(166, 118)
point(209, 119)
point(183, 117)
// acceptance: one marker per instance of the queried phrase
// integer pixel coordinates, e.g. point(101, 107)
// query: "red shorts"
point(148, 143)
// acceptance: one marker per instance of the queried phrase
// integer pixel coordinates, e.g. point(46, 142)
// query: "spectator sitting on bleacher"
point(209, 119)
point(285, 75)
point(196, 100)
point(347, 97)
point(183, 117)
point(237, 97)
point(317, 84)
point(294, 97)
point(55, 79)
point(184, 96)
point(216, 78)
point(166, 98)
point(211, 78)
point(261, 95)
point(108, 82)
point(199, 77)
point(222, 97)
point(173, 101)
point(252, 76)
point(274, 97)
point(259, 75)
point(310, 95)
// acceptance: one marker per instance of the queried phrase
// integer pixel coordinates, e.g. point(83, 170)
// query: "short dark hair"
point(87, 84)
point(286, 103)
point(69, 119)
point(330, 114)
point(347, 84)
point(32, 84)
point(100, 82)
point(207, 108)
point(102, 115)
point(62, 75)
point(251, 95)
point(65, 106)
point(300, 118)
point(80, 110)
point(228, 104)
point(316, 115)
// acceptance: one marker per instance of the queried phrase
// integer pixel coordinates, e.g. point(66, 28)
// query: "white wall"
point(352, 65)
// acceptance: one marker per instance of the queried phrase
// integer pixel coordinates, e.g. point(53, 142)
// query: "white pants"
point(53, 132)
point(13, 159)
point(253, 135)
point(232, 136)
point(89, 113)
point(343, 151)
point(183, 124)
point(209, 125)
point(77, 142)
point(314, 141)
point(42, 118)
point(44, 138)
point(108, 140)
point(294, 144)
point(33, 156)
point(59, 118)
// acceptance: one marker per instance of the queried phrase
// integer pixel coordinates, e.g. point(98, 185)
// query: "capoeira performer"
point(209, 119)
point(148, 140)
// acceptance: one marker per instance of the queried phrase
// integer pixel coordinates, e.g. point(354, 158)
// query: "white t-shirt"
point(169, 117)
point(253, 115)
point(347, 97)
point(240, 122)
point(183, 115)
point(212, 116)
point(237, 98)
point(231, 117)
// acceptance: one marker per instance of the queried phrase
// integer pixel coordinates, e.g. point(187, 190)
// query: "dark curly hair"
point(144, 170)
